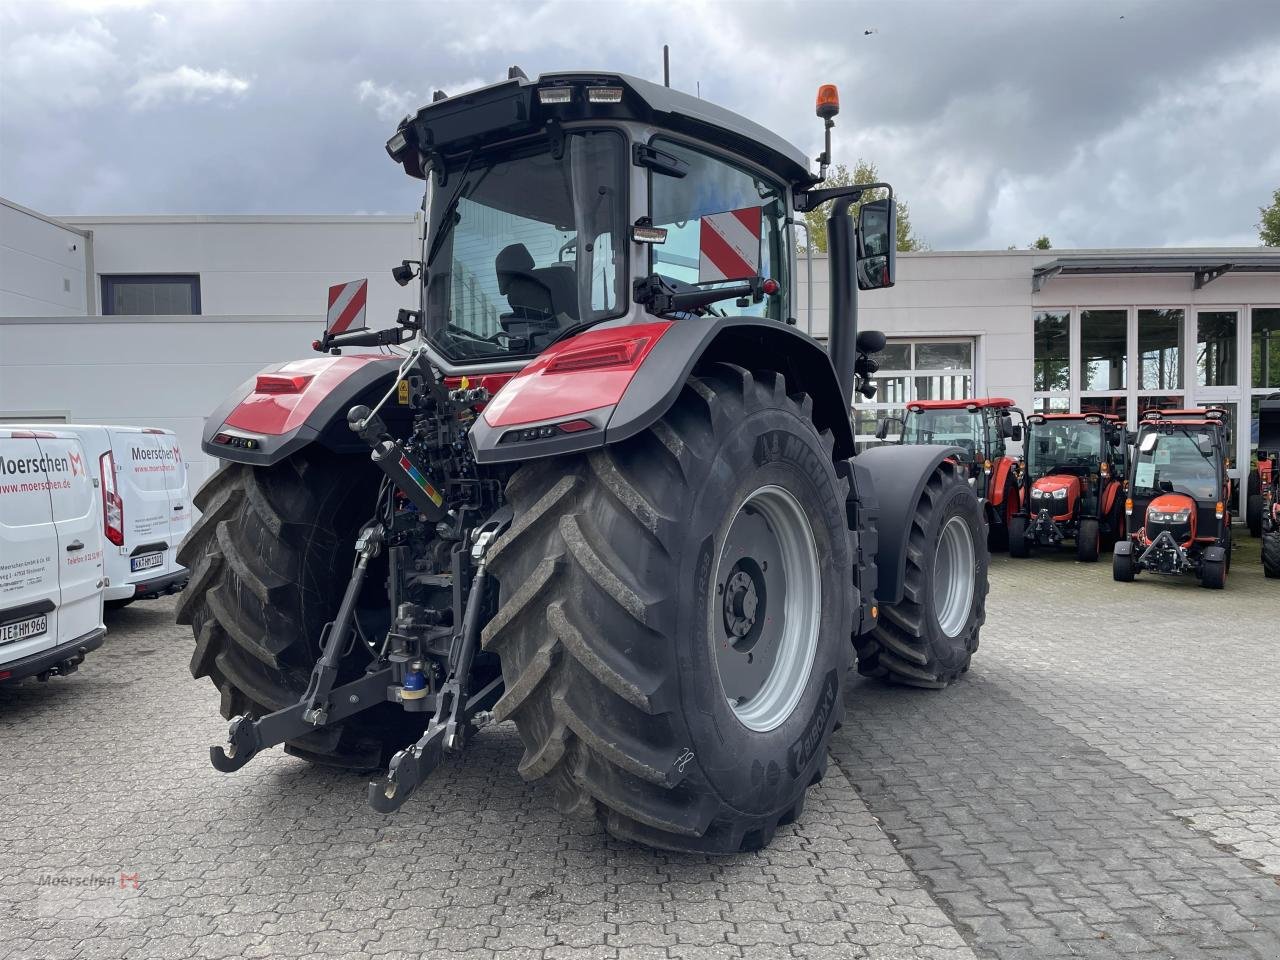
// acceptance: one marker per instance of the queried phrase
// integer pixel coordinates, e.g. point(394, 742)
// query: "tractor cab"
point(1267, 504)
point(1178, 517)
point(981, 429)
point(1074, 469)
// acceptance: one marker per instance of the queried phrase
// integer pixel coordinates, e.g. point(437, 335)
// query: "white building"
point(153, 320)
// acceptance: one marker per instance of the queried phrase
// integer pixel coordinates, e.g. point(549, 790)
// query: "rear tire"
point(1271, 555)
point(270, 558)
point(1088, 541)
point(615, 643)
point(1122, 567)
point(1253, 514)
point(1018, 545)
point(928, 639)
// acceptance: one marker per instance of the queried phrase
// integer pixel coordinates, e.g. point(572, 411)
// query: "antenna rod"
point(666, 65)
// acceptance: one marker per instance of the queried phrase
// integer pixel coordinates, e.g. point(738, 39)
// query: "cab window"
point(723, 224)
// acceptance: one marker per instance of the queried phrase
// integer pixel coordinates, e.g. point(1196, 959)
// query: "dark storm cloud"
point(1103, 123)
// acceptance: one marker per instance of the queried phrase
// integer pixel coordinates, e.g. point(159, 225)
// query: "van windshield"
point(525, 245)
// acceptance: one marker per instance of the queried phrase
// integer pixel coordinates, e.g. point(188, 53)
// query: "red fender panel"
point(281, 400)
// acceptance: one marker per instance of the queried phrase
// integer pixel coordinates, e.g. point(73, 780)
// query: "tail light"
point(1218, 510)
point(1128, 507)
point(112, 505)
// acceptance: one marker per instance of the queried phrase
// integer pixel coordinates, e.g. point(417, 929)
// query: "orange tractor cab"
point(1178, 518)
point(1269, 488)
point(1071, 483)
point(981, 428)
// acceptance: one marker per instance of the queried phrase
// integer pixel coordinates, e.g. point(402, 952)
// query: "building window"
point(1265, 366)
point(1160, 349)
point(1104, 351)
point(1052, 374)
point(914, 370)
point(1216, 348)
point(151, 294)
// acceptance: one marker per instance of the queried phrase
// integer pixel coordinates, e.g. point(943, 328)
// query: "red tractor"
point(1072, 484)
point(981, 428)
point(1177, 513)
point(1269, 489)
point(608, 492)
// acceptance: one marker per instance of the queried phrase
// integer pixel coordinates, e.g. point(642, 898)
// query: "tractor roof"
point(975, 403)
point(1094, 417)
point(512, 108)
point(1190, 413)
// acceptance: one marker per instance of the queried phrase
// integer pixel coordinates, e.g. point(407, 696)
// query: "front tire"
point(1088, 541)
point(928, 639)
point(1253, 514)
point(620, 645)
point(1019, 546)
point(1123, 567)
point(1271, 555)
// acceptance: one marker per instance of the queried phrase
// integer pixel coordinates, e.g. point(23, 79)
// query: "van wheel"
point(270, 558)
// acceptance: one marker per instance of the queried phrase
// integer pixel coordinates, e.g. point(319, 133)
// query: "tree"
point(1269, 225)
point(863, 172)
point(1040, 243)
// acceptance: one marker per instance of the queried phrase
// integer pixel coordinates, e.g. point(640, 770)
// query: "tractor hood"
point(1056, 493)
point(1175, 512)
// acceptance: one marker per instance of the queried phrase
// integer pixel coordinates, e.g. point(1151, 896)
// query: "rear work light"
point(281, 383)
point(112, 505)
point(604, 94)
point(605, 355)
point(550, 95)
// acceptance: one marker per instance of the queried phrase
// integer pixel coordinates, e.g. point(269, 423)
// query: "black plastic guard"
point(898, 474)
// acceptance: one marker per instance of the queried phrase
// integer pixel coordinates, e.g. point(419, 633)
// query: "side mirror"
point(871, 341)
point(878, 244)
point(882, 428)
point(1015, 433)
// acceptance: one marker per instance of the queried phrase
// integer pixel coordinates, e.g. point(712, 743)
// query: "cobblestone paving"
point(1103, 784)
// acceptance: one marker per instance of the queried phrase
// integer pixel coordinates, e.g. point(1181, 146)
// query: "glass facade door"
point(914, 369)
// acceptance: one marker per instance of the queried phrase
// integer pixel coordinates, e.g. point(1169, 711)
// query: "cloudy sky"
point(1099, 122)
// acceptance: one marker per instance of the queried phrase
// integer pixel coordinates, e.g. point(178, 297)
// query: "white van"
point(145, 509)
point(51, 555)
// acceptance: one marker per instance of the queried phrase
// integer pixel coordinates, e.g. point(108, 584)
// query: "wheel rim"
point(953, 576)
point(766, 608)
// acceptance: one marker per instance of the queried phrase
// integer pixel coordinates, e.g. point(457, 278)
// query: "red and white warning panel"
point(347, 303)
point(729, 246)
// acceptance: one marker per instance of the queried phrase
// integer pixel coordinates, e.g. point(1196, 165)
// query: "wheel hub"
point(768, 594)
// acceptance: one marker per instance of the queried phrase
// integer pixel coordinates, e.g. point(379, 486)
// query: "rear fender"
point(260, 425)
point(898, 474)
point(999, 480)
point(561, 404)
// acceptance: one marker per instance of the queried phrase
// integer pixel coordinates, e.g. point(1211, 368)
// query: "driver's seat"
point(535, 294)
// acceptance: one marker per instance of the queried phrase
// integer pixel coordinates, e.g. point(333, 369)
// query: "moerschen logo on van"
point(29, 466)
point(154, 453)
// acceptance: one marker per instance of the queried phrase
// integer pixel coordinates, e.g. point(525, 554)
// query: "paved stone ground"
point(1103, 784)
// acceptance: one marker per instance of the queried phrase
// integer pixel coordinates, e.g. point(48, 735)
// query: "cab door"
point(79, 532)
point(28, 551)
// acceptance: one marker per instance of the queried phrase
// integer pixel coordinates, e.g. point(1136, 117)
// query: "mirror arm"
point(807, 200)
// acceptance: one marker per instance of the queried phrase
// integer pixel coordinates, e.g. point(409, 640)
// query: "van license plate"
point(148, 561)
point(24, 629)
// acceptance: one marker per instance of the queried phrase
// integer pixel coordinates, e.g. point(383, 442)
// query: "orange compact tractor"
point(1071, 483)
point(1177, 515)
point(981, 428)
